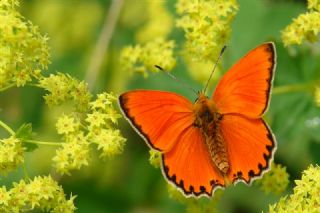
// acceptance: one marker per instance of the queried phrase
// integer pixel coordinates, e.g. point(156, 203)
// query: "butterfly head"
point(204, 106)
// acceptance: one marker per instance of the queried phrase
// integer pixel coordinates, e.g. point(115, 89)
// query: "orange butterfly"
point(215, 141)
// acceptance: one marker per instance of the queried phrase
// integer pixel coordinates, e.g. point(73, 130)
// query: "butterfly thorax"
point(208, 119)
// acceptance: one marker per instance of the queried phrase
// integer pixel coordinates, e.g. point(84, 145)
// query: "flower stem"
point(7, 87)
point(293, 88)
point(7, 128)
point(26, 175)
point(43, 143)
point(103, 42)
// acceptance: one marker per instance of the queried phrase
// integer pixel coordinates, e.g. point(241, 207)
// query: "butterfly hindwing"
point(188, 165)
point(251, 146)
point(245, 88)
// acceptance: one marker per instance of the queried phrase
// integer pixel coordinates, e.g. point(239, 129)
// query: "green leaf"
point(25, 133)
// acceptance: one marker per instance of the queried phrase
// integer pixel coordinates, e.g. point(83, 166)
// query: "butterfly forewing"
point(245, 88)
point(158, 116)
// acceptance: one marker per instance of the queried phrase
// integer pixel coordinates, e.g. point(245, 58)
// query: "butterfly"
point(216, 141)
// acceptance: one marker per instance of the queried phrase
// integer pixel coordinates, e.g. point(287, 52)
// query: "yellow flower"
point(143, 58)
point(67, 124)
point(96, 118)
point(4, 196)
point(11, 154)
point(155, 158)
point(305, 27)
point(306, 194)
point(314, 4)
point(274, 181)
point(109, 141)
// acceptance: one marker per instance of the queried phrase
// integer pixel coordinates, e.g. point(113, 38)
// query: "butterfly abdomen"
point(208, 120)
point(218, 150)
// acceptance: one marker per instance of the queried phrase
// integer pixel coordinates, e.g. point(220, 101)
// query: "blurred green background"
point(128, 183)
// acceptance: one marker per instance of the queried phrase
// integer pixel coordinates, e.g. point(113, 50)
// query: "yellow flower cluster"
point(11, 154)
point(306, 194)
point(275, 181)
point(94, 127)
point(314, 5)
point(305, 27)
point(62, 87)
point(206, 25)
point(42, 193)
point(158, 15)
point(143, 58)
point(23, 50)
point(101, 120)
point(73, 154)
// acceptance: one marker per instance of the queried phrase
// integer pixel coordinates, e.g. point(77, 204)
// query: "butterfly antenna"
point(215, 65)
point(176, 79)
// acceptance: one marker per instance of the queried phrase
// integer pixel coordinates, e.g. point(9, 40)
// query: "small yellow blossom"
point(274, 181)
point(96, 118)
point(155, 158)
point(4, 196)
point(112, 115)
point(102, 101)
point(67, 124)
point(109, 141)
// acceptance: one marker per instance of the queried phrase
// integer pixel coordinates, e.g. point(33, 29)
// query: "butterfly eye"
point(219, 116)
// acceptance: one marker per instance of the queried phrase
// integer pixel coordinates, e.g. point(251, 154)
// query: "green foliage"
point(25, 133)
